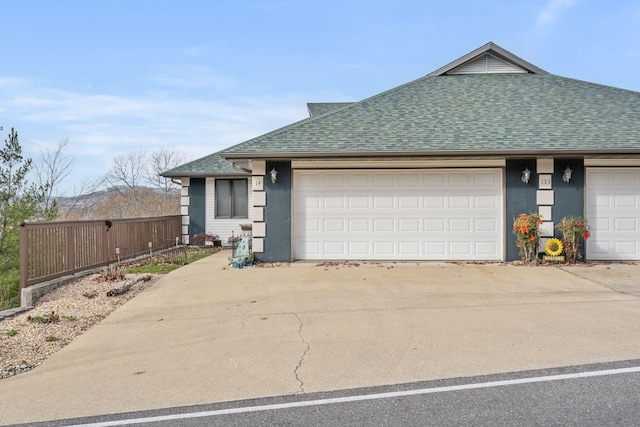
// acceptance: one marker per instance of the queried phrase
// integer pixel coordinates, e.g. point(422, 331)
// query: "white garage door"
point(613, 212)
point(398, 215)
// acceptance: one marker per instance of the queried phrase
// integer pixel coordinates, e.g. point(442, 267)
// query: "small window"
point(231, 198)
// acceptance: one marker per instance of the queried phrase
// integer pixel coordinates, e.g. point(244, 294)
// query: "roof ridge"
point(497, 51)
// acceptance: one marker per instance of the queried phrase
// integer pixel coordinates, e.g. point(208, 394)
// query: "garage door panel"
point(411, 180)
point(434, 202)
point(626, 249)
point(434, 179)
point(460, 248)
point(434, 224)
point(409, 225)
point(601, 201)
point(613, 211)
point(459, 178)
point(359, 225)
point(383, 180)
point(435, 249)
point(383, 202)
point(626, 178)
point(625, 225)
point(311, 224)
point(358, 181)
point(458, 225)
point(489, 179)
point(381, 225)
point(409, 248)
point(408, 202)
point(435, 214)
point(384, 249)
point(625, 201)
point(362, 248)
point(311, 248)
point(485, 202)
point(486, 225)
point(358, 202)
point(487, 248)
point(308, 202)
point(460, 202)
point(333, 180)
point(334, 248)
point(333, 225)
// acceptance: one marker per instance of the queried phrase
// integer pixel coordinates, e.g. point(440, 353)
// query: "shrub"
point(525, 228)
point(574, 230)
point(9, 289)
point(203, 239)
point(112, 273)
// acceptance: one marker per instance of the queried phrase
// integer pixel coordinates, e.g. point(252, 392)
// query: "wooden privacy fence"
point(54, 249)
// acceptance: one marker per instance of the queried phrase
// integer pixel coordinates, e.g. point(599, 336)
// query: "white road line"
point(360, 398)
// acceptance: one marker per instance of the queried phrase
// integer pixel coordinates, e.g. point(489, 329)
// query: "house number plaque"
point(544, 182)
point(257, 183)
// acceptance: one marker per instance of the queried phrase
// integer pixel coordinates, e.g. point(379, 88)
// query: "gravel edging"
point(28, 338)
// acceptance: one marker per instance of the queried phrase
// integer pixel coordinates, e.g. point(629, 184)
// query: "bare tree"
point(51, 169)
point(162, 160)
point(134, 188)
point(127, 175)
point(128, 170)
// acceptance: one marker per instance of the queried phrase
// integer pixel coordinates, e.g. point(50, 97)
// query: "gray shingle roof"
point(213, 164)
point(319, 108)
point(479, 113)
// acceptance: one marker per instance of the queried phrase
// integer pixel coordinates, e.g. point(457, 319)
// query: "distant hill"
point(90, 205)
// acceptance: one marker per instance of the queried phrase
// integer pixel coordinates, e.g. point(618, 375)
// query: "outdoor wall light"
point(566, 176)
point(274, 175)
point(526, 175)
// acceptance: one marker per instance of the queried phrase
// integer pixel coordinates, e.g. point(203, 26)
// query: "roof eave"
point(432, 153)
point(203, 174)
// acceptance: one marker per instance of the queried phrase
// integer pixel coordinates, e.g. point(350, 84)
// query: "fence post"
point(105, 240)
point(24, 271)
point(70, 250)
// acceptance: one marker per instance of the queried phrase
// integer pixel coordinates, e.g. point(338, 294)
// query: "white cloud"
point(552, 11)
point(100, 127)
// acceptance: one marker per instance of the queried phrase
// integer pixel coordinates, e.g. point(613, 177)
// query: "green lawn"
point(162, 265)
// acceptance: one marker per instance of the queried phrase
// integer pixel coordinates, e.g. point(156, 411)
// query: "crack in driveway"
point(304, 353)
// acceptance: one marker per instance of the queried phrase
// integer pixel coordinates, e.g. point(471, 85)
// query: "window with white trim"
point(232, 198)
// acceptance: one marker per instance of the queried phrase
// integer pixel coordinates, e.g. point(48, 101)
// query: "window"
point(231, 198)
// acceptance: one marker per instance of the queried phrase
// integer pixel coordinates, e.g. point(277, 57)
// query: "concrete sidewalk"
point(207, 333)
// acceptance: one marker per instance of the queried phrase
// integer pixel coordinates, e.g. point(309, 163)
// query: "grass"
point(12, 333)
point(159, 265)
point(47, 318)
point(51, 338)
point(152, 268)
point(34, 319)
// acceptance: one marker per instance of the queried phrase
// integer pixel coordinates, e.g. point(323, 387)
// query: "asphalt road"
point(590, 395)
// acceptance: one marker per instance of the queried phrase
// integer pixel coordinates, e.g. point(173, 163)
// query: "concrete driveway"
point(208, 333)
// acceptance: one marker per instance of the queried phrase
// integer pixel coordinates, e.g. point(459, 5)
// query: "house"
point(435, 169)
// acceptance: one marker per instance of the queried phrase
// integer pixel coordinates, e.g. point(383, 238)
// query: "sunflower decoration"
point(553, 247)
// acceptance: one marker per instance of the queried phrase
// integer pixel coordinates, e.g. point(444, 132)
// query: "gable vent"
point(487, 64)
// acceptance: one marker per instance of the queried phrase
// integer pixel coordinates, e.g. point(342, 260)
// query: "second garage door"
point(452, 214)
point(613, 212)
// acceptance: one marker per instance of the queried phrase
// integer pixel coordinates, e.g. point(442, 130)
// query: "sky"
point(115, 77)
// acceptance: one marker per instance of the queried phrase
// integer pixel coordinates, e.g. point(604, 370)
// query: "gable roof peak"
point(486, 59)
